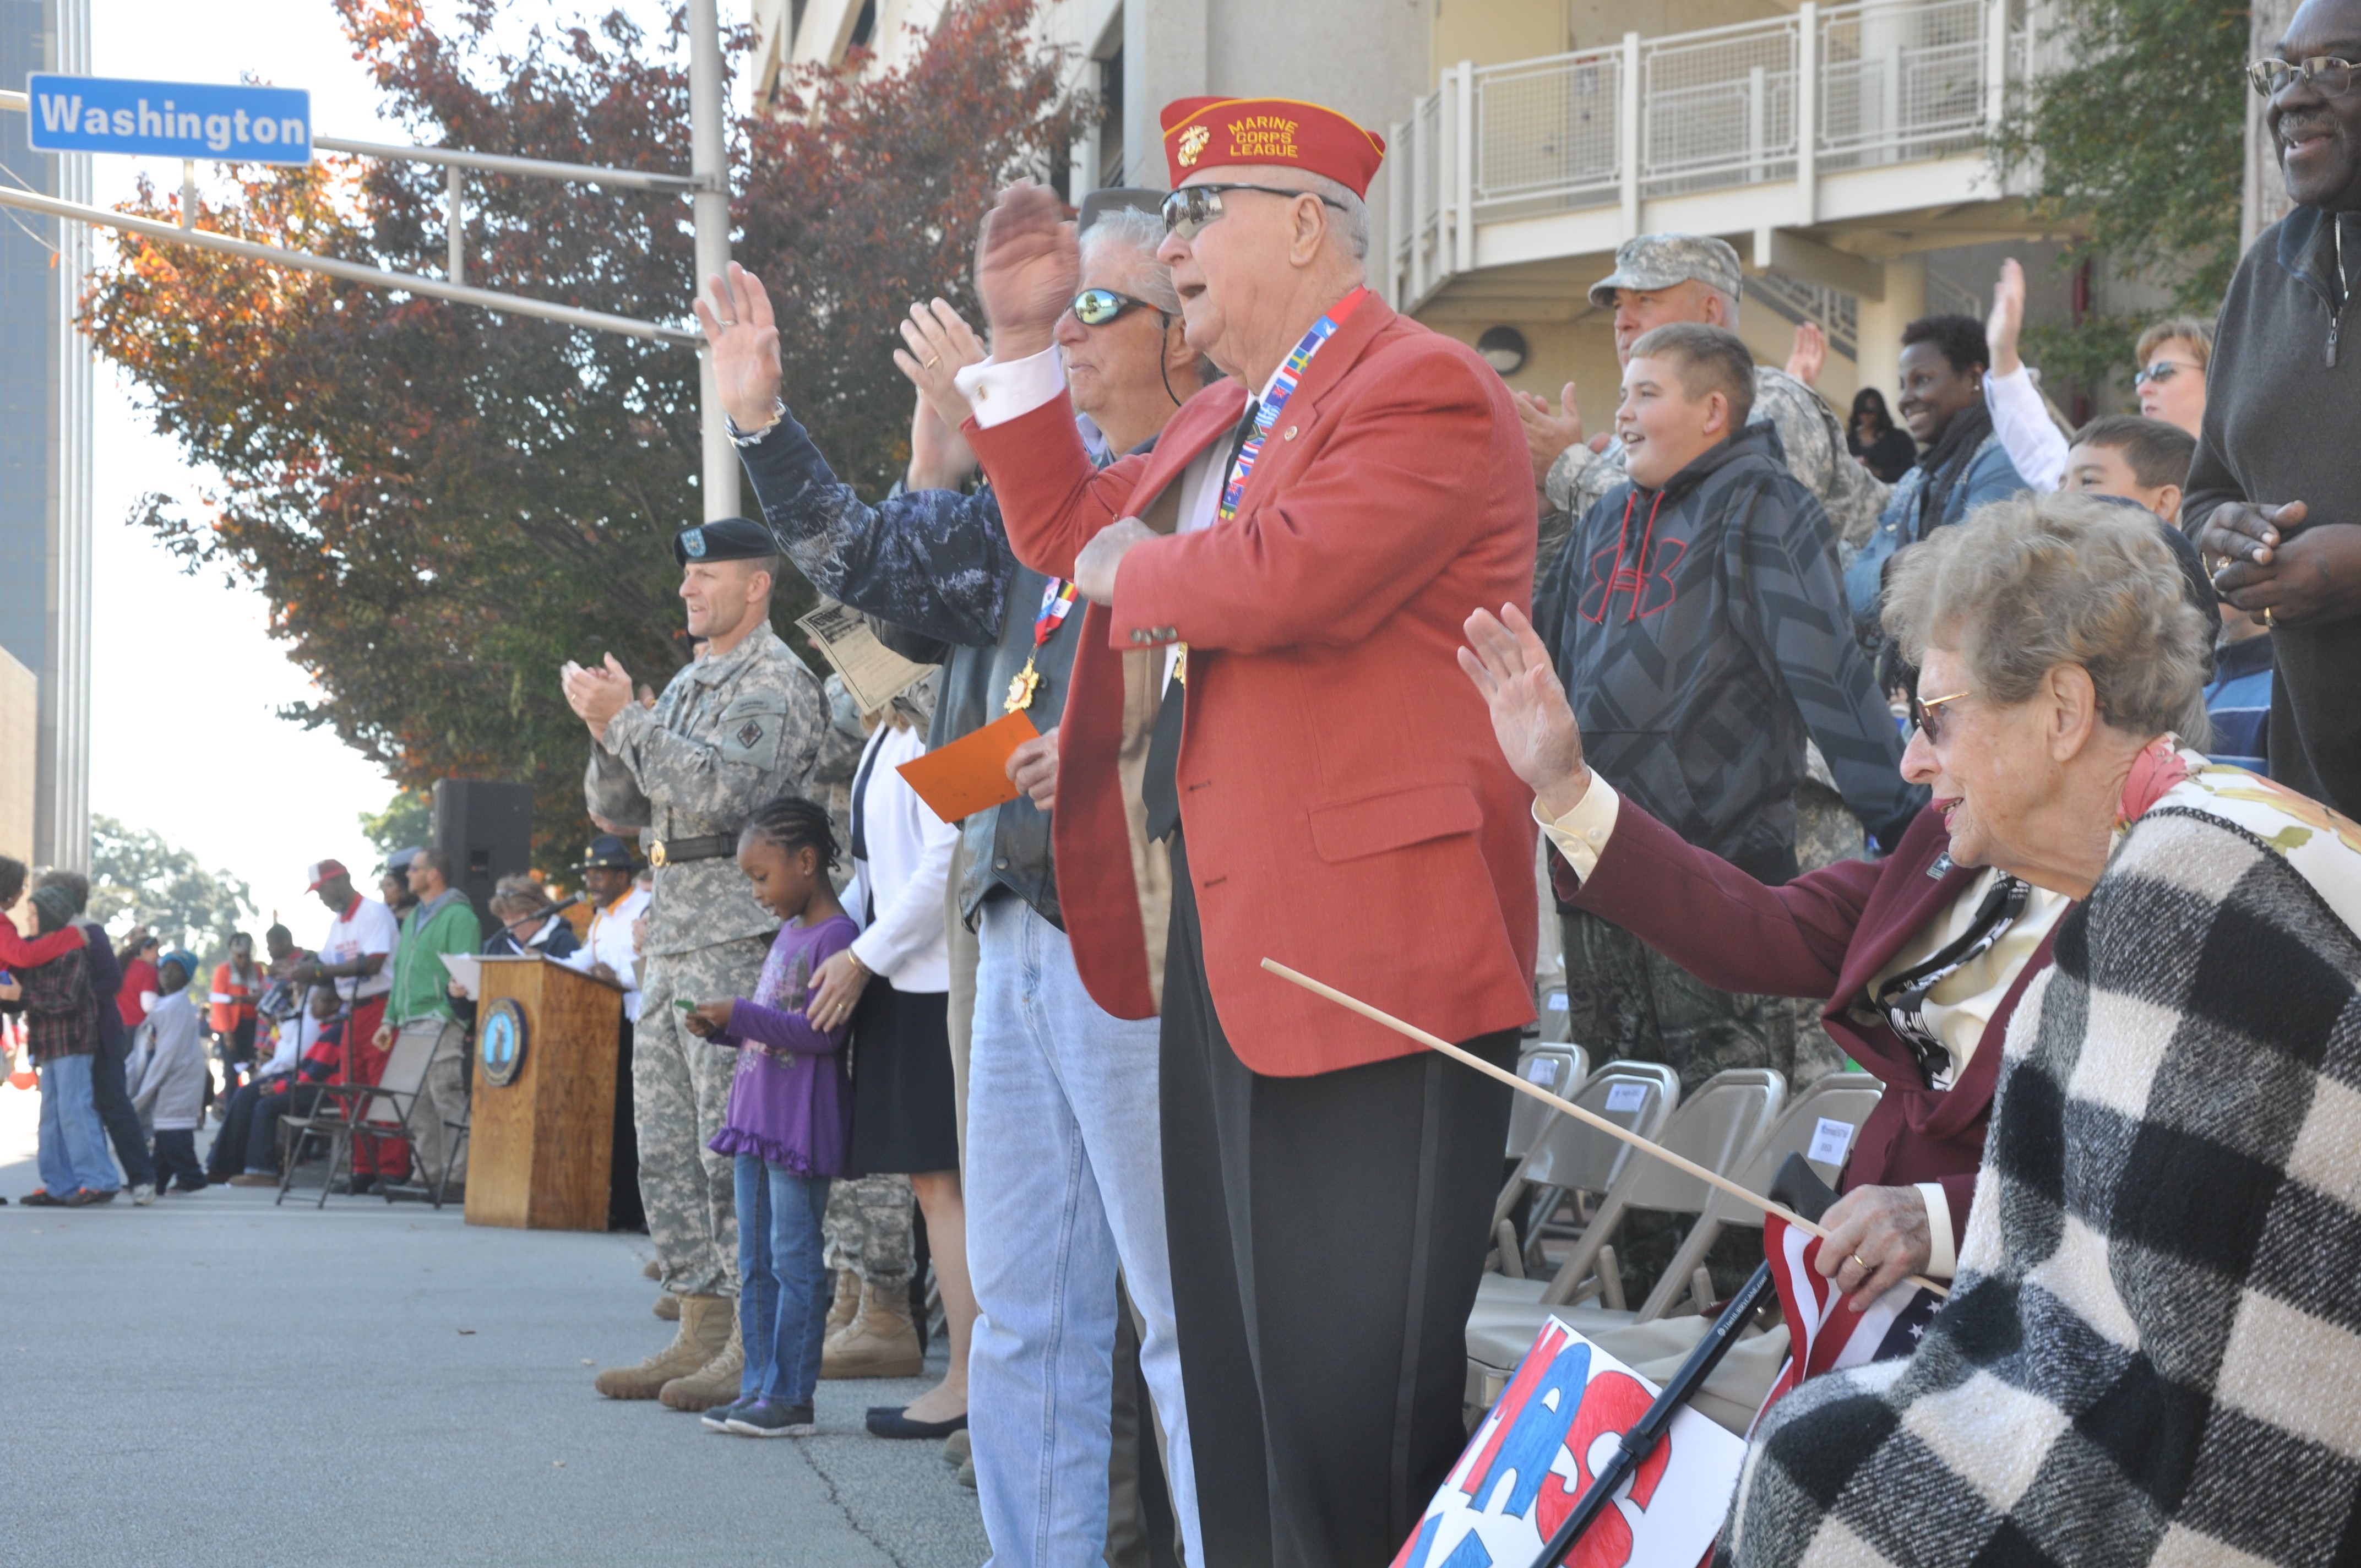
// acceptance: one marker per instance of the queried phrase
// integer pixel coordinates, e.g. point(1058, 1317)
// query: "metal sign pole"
point(709, 167)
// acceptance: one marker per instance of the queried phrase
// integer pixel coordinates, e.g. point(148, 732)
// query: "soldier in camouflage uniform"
point(744, 725)
point(870, 1244)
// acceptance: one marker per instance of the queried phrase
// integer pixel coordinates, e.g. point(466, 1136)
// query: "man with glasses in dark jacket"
point(2270, 496)
point(1064, 1176)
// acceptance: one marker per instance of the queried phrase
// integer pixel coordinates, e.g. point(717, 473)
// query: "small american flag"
point(1826, 1334)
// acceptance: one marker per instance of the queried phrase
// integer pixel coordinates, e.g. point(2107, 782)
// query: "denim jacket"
point(1991, 476)
point(934, 571)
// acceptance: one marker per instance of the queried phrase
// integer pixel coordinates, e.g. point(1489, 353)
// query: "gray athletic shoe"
point(772, 1417)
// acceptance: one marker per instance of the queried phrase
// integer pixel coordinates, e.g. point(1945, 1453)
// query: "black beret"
point(724, 539)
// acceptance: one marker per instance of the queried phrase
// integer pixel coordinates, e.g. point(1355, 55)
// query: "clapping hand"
point(1548, 433)
point(938, 344)
point(1809, 354)
point(1027, 267)
point(1531, 716)
point(595, 695)
point(744, 338)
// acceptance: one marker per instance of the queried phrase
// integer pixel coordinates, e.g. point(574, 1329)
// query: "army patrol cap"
point(724, 539)
point(1661, 260)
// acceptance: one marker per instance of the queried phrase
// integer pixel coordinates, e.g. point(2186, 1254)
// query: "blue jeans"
point(782, 1291)
point(74, 1145)
point(1065, 1183)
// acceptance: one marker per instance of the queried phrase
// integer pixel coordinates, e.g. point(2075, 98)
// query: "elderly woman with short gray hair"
point(2150, 1336)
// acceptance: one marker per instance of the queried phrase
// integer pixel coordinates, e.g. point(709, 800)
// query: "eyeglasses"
point(2159, 371)
point(1190, 208)
point(1098, 307)
point(1923, 717)
point(2333, 77)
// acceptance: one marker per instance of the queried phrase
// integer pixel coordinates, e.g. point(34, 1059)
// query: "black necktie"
point(860, 800)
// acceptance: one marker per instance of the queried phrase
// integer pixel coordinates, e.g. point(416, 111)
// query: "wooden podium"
point(540, 1143)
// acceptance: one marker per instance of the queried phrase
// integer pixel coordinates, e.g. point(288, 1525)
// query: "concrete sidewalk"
point(214, 1381)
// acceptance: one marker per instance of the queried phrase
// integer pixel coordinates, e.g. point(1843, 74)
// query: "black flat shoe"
point(888, 1421)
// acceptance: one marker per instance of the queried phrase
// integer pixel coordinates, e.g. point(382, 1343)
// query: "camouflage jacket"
point(1810, 435)
point(730, 732)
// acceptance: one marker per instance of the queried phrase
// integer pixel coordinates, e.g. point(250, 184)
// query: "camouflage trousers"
point(680, 1090)
point(867, 1230)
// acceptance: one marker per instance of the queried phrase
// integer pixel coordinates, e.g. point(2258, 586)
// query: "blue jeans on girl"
point(782, 1291)
point(72, 1149)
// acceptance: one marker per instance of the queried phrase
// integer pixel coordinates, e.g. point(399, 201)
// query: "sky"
point(247, 792)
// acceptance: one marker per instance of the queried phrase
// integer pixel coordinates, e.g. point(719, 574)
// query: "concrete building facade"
point(45, 453)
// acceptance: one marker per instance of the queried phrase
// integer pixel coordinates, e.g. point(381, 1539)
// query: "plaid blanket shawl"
point(2153, 1351)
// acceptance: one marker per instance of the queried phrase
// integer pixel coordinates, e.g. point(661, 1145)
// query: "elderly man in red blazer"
point(1293, 559)
point(1921, 961)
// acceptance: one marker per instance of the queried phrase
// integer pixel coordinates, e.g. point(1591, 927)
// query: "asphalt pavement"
point(218, 1380)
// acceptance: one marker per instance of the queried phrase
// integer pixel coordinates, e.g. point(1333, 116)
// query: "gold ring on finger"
point(2266, 615)
point(1857, 1263)
point(937, 359)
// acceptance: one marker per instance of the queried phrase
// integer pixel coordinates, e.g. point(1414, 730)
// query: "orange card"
point(971, 772)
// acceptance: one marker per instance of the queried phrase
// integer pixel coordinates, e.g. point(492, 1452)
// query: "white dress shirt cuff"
point(999, 393)
point(1943, 1254)
point(1582, 832)
point(2026, 434)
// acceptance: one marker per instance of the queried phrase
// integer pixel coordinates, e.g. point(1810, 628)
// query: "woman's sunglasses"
point(1097, 307)
point(2157, 372)
point(1189, 209)
point(1927, 716)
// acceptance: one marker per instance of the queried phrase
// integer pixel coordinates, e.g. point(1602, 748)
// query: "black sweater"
point(2282, 406)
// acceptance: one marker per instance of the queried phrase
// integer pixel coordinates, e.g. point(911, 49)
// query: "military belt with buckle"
point(673, 851)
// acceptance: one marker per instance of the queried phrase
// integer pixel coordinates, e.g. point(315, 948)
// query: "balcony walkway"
point(1820, 143)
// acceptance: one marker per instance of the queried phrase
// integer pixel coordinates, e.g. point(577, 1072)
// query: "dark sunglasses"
point(1097, 307)
point(1190, 208)
point(2159, 371)
point(1928, 717)
point(2333, 77)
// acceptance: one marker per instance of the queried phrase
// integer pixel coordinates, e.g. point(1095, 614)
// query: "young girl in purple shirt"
point(789, 1120)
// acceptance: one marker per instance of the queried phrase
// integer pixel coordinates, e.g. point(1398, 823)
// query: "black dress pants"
point(110, 1091)
point(1326, 1236)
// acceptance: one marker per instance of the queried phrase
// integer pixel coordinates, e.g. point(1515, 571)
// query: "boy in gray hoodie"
point(168, 1074)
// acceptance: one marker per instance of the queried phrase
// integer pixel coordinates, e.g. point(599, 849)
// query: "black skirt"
point(902, 1122)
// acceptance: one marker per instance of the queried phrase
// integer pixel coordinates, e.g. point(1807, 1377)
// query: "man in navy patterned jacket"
point(1064, 1167)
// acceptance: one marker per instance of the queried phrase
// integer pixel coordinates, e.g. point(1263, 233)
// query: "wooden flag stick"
point(1567, 1107)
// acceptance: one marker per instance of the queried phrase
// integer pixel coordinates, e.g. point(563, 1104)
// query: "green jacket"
point(421, 983)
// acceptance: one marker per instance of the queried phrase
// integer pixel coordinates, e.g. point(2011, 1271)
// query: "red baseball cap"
point(320, 872)
point(1207, 133)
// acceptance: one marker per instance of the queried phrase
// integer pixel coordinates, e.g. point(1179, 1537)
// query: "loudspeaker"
point(486, 826)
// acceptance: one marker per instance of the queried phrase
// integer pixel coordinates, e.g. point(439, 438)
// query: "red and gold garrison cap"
point(1210, 133)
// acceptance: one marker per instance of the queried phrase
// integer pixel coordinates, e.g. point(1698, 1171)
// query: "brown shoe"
point(667, 1306)
point(708, 1324)
point(718, 1382)
point(249, 1178)
point(881, 1342)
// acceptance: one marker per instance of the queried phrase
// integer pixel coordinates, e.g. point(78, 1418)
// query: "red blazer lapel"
point(1286, 450)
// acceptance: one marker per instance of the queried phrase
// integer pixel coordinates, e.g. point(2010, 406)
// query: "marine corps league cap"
point(724, 539)
point(1209, 133)
point(1663, 261)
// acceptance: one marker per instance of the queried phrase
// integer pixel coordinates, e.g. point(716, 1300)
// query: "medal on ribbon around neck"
point(1057, 600)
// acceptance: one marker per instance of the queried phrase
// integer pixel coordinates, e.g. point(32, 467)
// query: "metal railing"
point(1872, 81)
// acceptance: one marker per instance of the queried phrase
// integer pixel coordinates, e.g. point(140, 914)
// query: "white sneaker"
point(143, 1194)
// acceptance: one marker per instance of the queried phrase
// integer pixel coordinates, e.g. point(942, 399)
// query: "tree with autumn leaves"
point(441, 505)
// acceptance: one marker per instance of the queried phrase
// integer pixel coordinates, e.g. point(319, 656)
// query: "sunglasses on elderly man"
point(1190, 208)
point(2331, 76)
point(1099, 307)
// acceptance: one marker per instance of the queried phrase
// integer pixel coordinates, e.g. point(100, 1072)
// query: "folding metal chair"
point(379, 1112)
point(1555, 1066)
point(1569, 1157)
point(1822, 1120)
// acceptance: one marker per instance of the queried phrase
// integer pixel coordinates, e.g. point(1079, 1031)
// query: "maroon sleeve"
point(1715, 921)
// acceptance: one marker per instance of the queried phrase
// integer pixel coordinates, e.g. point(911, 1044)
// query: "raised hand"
point(742, 335)
point(1026, 269)
point(1808, 353)
point(2007, 322)
point(1531, 716)
point(938, 344)
point(1548, 433)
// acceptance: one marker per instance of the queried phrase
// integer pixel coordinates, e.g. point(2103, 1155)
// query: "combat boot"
point(882, 1342)
point(848, 1302)
point(717, 1382)
point(667, 1306)
point(708, 1325)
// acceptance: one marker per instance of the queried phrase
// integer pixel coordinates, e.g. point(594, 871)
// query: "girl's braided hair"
point(792, 822)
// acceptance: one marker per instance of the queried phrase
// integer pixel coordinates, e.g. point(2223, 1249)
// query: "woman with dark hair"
point(1962, 461)
point(1871, 437)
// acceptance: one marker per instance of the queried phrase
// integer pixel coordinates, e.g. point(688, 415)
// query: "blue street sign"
point(169, 119)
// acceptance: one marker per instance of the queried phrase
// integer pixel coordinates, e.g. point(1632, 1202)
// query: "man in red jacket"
point(1333, 800)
